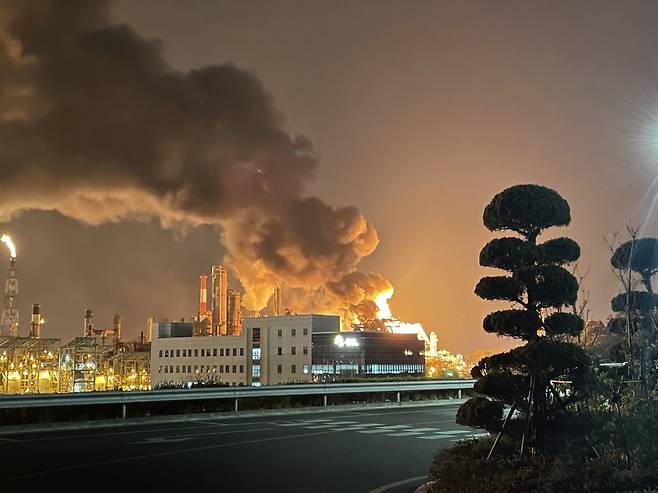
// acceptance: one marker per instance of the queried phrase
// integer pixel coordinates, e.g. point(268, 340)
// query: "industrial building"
point(339, 355)
point(269, 351)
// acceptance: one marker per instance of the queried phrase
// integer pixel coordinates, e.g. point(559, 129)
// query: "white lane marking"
point(198, 435)
point(376, 430)
point(149, 441)
point(318, 427)
point(132, 432)
point(158, 454)
point(389, 486)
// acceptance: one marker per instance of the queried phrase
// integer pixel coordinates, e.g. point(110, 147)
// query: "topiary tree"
point(539, 287)
point(636, 263)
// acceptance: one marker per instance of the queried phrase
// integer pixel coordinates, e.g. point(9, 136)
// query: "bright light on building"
point(341, 341)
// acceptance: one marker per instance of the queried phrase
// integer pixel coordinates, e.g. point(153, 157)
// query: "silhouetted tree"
point(636, 261)
point(539, 287)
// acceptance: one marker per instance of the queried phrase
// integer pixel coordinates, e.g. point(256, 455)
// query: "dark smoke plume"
point(96, 125)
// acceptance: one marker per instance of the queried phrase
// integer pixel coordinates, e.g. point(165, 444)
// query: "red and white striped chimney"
point(202, 295)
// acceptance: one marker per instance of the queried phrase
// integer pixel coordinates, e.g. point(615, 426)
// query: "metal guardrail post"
point(123, 411)
point(459, 394)
point(325, 400)
point(398, 397)
point(236, 404)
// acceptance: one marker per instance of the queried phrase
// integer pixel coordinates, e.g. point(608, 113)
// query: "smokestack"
point(234, 312)
point(118, 322)
point(9, 322)
point(202, 296)
point(35, 324)
point(149, 327)
point(89, 323)
point(277, 301)
point(219, 278)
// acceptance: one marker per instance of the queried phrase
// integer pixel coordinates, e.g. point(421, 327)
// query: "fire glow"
point(393, 324)
point(6, 239)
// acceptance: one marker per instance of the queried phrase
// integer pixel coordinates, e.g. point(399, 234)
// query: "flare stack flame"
point(6, 239)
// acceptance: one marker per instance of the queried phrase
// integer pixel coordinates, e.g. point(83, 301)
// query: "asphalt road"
point(365, 451)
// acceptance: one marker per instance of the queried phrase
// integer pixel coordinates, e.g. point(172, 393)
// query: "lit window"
point(305, 369)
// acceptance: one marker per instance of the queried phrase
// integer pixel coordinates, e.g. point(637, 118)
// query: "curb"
point(148, 420)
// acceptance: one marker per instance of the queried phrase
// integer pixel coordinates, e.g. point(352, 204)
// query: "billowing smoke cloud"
point(95, 124)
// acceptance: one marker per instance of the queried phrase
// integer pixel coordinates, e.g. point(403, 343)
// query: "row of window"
point(293, 369)
point(293, 332)
point(293, 350)
point(204, 369)
point(187, 353)
point(368, 369)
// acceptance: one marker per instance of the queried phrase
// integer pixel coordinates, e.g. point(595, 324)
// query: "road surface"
point(365, 451)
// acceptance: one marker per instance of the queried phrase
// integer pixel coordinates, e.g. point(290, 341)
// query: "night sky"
point(418, 113)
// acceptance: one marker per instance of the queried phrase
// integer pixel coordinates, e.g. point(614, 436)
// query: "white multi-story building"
point(270, 351)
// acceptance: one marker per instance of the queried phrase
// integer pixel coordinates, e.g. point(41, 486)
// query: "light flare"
point(6, 239)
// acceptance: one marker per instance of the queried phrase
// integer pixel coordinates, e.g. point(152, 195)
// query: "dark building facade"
point(345, 354)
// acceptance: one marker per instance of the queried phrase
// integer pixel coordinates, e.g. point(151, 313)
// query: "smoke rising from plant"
point(96, 125)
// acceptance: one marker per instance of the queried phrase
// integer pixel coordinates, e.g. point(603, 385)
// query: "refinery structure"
point(98, 360)
point(222, 343)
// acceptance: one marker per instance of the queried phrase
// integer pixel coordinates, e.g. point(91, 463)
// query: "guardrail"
point(236, 393)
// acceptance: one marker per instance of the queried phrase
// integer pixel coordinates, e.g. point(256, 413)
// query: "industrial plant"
point(223, 343)
point(98, 360)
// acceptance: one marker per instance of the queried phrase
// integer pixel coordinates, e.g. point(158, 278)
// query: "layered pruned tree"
point(636, 307)
point(541, 291)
